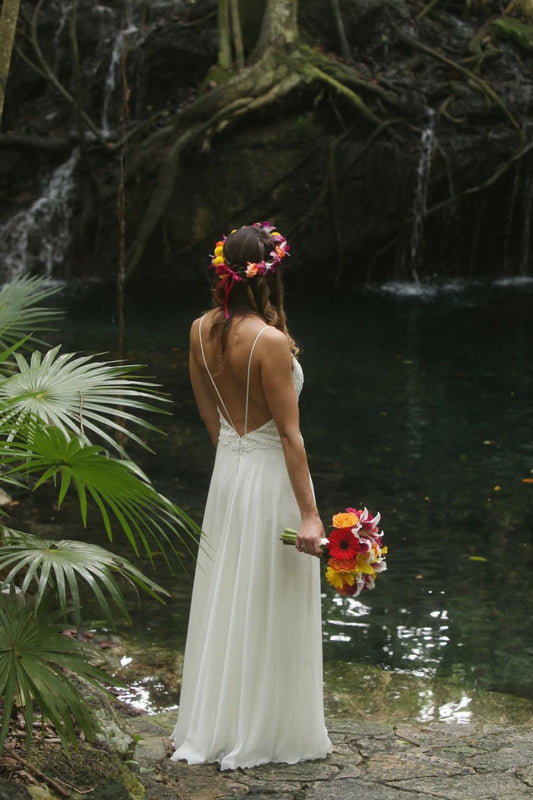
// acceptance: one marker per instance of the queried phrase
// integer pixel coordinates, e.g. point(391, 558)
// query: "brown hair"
point(262, 294)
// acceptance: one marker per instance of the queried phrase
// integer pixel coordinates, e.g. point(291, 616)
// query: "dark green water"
point(419, 406)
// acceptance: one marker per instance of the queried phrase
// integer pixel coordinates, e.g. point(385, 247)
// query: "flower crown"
point(228, 271)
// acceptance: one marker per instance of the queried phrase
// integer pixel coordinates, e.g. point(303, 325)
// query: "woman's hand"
point(310, 535)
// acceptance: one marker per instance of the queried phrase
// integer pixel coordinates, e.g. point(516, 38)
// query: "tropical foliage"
point(59, 416)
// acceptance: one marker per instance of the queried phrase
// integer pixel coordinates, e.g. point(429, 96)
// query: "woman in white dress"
point(252, 678)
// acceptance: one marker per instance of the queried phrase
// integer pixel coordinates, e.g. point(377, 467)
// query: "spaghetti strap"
point(248, 379)
point(222, 403)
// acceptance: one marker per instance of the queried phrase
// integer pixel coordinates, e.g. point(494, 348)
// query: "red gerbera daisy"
point(342, 544)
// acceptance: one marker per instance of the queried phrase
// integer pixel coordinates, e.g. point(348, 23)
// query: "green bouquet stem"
point(289, 537)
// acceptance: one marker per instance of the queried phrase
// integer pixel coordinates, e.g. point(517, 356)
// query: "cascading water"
point(129, 33)
point(36, 240)
point(65, 11)
point(524, 265)
point(517, 244)
point(111, 82)
point(416, 245)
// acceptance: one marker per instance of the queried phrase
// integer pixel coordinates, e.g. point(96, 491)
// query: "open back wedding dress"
point(252, 678)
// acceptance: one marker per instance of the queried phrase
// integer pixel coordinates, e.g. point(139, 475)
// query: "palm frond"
point(61, 565)
point(31, 648)
point(122, 494)
point(20, 310)
point(77, 394)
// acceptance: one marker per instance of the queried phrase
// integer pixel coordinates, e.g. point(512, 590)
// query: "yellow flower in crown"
point(346, 519)
point(230, 274)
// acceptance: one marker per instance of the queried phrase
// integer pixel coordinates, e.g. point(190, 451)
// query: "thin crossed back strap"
point(248, 379)
point(222, 403)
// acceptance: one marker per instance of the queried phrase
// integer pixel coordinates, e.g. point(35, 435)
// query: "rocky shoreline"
point(375, 761)
point(385, 747)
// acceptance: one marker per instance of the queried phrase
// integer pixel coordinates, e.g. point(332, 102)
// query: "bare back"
point(234, 380)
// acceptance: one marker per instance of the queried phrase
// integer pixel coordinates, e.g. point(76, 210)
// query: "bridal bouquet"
point(355, 551)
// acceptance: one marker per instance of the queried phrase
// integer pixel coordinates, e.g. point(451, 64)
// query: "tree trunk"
point(344, 47)
point(224, 35)
point(8, 27)
point(280, 26)
point(237, 34)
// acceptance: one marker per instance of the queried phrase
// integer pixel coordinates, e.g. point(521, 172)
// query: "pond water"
point(418, 404)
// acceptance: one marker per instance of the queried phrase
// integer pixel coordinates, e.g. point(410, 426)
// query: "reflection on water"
point(417, 404)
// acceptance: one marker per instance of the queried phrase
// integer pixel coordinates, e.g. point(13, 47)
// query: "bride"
point(252, 678)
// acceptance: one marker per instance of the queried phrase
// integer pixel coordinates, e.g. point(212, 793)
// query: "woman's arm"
point(275, 361)
point(202, 394)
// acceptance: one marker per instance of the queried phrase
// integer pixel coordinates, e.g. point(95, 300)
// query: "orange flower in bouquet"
point(355, 550)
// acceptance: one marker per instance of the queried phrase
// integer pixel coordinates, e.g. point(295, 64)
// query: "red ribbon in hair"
point(229, 283)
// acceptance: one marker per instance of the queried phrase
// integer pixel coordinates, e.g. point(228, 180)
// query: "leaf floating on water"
point(478, 558)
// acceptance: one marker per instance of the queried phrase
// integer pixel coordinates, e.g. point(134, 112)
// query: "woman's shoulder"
point(203, 321)
point(273, 345)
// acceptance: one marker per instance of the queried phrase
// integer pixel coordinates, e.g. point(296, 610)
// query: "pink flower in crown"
point(267, 226)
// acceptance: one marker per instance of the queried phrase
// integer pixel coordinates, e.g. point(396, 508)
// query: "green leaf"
point(118, 488)
point(36, 663)
point(62, 565)
point(80, 396)
point(21, 316)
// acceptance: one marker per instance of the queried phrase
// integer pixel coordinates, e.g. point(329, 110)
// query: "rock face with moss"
point(387, 139)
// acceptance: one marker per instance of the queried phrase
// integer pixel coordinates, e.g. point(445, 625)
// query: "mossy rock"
point(90, 767)
point(364, 692)
point(515, 29)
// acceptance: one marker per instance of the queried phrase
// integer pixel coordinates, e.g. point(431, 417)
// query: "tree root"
point(426, 9)
point(255, 88)
point(349, 76)
point(476, 81)
point(443, 109)
point(353, 98)
point(48, 73)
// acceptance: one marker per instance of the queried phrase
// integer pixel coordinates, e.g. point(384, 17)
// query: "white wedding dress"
point(252, 678)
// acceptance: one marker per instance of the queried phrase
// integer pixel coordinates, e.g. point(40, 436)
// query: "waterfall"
point(423, 172)
point(65, 10)
point(36, 240)
point(517, 244)
point(111, 82)
point(524, 256)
